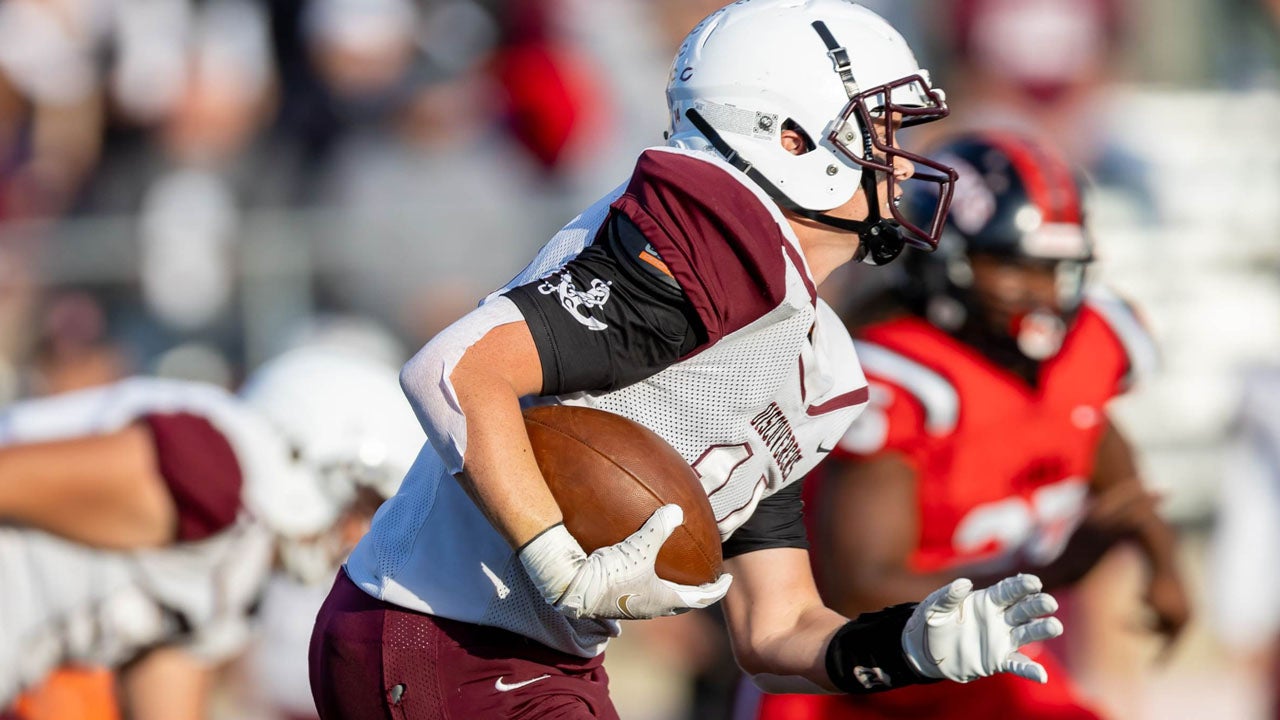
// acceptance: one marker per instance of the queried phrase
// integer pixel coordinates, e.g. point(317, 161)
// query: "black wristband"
point(865, 656)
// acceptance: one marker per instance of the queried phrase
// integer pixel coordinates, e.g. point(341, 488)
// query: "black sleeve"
point(866, 656)
point(610, 317)
point(778, 522)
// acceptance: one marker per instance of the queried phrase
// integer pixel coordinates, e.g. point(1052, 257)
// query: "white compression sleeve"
point(425, 378)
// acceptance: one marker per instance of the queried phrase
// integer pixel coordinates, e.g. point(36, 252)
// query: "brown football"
point(610, 474)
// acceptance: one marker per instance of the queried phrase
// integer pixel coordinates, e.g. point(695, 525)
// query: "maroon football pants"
point(373, 660)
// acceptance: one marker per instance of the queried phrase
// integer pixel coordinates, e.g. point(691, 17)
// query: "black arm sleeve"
point(778, 522)
point(866, 656)
point(610, 317)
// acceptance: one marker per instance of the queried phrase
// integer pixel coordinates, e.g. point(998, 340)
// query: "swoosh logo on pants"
point(504, 687)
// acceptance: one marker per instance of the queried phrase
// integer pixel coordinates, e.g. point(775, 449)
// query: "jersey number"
point(716, 469)
point(1038, 526)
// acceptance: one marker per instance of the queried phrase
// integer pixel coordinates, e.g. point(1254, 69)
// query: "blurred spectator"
point(74, 350)
point(353, 66)
point(1045, 67)
point(553, 99)
point(50, 104)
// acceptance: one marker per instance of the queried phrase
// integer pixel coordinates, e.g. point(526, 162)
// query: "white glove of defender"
point(963, 635)
point(616, 582)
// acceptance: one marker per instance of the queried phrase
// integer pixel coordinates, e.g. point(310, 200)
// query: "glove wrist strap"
point(552, 559)
point(865, 656)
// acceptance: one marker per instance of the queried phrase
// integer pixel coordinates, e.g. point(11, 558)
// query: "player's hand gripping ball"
point(609, 475)
point(639, 539)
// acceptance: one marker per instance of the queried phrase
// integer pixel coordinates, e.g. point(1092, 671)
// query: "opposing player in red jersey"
point(986, 447)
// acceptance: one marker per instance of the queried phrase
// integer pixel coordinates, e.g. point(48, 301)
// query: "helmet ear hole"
point(792, 125)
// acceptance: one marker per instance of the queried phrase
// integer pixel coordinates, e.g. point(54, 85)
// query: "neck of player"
point(824, 248)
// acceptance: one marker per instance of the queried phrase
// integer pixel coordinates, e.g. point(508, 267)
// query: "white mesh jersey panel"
point(753, 412)
point(63, 602)
point(566, 244)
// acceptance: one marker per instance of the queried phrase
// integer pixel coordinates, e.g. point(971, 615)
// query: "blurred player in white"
point(139, 521)
point(1245, 548)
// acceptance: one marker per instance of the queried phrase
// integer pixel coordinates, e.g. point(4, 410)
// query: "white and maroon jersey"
point(771, 389)
point(66, 603)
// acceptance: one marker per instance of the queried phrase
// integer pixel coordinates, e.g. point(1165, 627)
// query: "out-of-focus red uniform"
point(1003, 472)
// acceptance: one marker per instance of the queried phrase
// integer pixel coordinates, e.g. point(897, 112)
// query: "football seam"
point(701, 550)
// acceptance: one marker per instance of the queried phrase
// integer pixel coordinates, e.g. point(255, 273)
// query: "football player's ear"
point(793, 142)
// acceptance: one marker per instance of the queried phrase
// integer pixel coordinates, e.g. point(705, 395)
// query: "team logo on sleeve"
point(872, 678)
point(578, 302)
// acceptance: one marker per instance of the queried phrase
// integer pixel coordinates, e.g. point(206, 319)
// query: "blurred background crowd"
point(187, 185)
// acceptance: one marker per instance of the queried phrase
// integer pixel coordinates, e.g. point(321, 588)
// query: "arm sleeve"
point(778, 522)
point(200, 470)
point(610, 317)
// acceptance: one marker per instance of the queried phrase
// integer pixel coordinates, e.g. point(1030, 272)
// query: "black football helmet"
point(1017, 200)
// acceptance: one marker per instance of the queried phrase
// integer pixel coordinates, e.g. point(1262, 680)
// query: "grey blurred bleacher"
point(1206, 274)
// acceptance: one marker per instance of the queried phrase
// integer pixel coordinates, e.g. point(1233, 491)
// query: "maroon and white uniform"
point(767, 388)
point(230, 477)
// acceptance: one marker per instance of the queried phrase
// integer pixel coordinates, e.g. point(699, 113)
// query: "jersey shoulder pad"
point(1131, 332)
point(723, 244)
point(907, 401)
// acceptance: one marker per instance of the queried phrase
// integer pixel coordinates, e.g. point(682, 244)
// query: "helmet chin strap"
point(880, 239)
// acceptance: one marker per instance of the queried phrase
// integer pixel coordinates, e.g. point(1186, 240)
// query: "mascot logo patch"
point(578, 302)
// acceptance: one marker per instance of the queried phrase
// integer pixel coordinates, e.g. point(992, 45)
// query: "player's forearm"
point(103, 490)
point(500, 473)
point(792, 659)
point(1159, 541)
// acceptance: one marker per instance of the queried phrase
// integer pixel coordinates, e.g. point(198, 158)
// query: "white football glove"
point(616, 582)
point(961, 635)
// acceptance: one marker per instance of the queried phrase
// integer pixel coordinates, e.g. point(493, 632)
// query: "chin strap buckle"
point(880, 243)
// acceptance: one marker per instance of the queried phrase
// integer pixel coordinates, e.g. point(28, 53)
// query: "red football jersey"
point(1003, 469)
point(1003, 466)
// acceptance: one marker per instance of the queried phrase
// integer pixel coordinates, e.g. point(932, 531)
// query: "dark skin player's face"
point(1008, 288)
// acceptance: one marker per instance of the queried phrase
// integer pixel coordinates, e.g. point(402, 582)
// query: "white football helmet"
point(829, 69)
point(348, 425)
